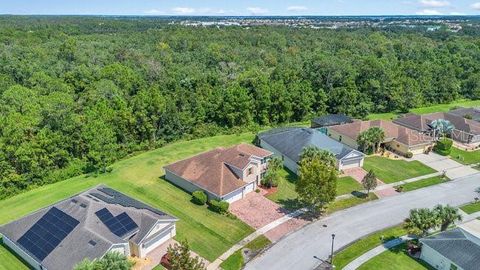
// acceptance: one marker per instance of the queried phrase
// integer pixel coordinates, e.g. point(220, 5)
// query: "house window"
point(453, 267)
point(250, 171)
point(340, 138)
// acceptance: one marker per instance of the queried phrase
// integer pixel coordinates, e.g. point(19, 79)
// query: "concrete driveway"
point(307, 247)
point(440, 163)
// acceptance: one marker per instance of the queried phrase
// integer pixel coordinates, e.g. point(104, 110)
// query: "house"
point(325, 121)
point(288, 143)
point(397, 138)
point(456, 249)
point(469, 113)
point(88, 225)
point(223, 173)
point(465, 131)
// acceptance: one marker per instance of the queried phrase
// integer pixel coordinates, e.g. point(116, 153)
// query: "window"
point(453, 267)
point(250, 171)
point(339, 138)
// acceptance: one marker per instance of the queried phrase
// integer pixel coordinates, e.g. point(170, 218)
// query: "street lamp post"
point(331, 253)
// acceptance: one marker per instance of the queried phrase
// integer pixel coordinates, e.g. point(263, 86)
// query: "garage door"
point(235, 196)
point(346, 164)
point(156, 241)
point(249, 188)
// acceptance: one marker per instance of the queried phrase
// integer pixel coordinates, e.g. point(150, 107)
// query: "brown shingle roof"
point(392, 131)
point(422, 122)
point(212, 170)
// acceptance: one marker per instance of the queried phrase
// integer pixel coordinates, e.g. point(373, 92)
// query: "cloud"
point(257, 10)
point(457, 13)
point(434, 3)
point(153, 11)
point(183, 10)
point(297, 8)
point(429, 12)
point(476, 6)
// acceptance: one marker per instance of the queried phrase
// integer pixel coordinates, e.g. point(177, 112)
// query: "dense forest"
point(77, 93)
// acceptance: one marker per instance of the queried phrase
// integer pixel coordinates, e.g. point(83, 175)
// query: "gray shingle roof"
point(291, 142)
point(473, 112)
point(330, 120)
point(457, 246)
point(75, 246)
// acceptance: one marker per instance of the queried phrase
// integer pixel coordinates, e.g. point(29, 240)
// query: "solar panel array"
point(47, 233)
point(120, 225)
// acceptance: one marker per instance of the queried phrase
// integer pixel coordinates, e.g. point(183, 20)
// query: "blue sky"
point(242, 7)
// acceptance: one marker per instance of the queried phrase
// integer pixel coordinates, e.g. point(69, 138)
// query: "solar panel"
point(45, 235)
point(120, 225)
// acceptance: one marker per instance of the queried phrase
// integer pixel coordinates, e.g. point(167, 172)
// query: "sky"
point(241, 7)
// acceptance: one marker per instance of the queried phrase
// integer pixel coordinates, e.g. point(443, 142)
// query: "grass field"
point(391, 171)
point(8, 261)
point(423, 183)
point(465, 157)
point(235, 261)
point(208, 233)
point(395, 258)
point(356, 249)
point(471, 207)
point(429, 109)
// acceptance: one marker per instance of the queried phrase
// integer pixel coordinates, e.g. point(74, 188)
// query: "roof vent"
point(242, 155)
point(74, 201)
point(83, 205)
point(92, 243)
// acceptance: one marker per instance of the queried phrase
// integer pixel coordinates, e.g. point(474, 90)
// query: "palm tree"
point(377, 136)
point(447, 215)
point(364, 141)
point(442, 127)
point(421, 221)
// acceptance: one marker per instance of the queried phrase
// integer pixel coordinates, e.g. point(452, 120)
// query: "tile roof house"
point(466, 130)
point(397, 138)
point(223, 173)
point(469, 113)
point(454, 249)
point(330, 120)
point(87, 225)
point(288, 143)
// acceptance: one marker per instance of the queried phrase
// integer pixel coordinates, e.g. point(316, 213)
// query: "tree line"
point(77, 93)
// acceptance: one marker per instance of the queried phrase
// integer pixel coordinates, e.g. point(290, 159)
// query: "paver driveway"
point(440, 163)
point(256, 210)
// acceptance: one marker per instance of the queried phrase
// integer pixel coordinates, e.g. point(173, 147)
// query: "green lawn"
point(471, 207)
point(395, 258)
point(8, 261)
point(391, 171)
point(287, 196)
point(349, 202)
point(208, 233)
point(359, 247)
point(465, 157)
point(235, 261)
point(423, 183)
point(429, 109)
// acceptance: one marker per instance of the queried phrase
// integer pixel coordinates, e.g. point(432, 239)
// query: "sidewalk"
point(216, 264)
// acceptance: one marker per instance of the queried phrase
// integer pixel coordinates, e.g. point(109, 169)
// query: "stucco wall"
point(184, 184)
point(21, 253)
point(435, 259)
point(345, 140)
point(287, 162)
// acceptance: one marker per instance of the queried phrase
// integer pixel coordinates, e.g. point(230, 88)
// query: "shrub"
point(220, 207)
point(443, 147)
point(257, 190)
point(199, 197)
point(409, 155)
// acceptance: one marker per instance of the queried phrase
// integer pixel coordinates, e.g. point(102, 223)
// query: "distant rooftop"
point(330, 120)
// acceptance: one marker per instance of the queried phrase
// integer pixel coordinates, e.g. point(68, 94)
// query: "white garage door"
point(235, 196)
point(156, 241)
point(346, 164)
point(249, 188)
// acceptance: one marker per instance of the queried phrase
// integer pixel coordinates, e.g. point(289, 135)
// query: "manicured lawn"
point(429, 109)
point(209, 234)
point(391, 171)
point(465, 157)
point(423, 183)
point(356, 249)
point(235, 261)
point(8, 261)
point(287, 196)
point(349, 202)
point(471, 207)
point(395, 258)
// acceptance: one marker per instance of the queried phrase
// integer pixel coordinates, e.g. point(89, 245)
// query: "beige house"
point(397, 138)
point(223, 173)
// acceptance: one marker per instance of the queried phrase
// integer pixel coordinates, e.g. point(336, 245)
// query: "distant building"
point(457, 249)
point(288, 143)
point(88, 225)
point(330, 120)
point(223, 173)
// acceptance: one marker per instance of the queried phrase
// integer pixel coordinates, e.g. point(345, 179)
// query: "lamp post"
point(331, 253)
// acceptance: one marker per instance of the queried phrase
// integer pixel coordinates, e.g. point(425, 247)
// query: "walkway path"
point(216, 264)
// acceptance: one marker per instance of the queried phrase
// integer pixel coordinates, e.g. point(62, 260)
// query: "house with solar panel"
point(88, 225)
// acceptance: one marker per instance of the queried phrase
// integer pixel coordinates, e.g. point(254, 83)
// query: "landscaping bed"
point(391, 171)
point(422, 183)
point(396, 258)
point(465, 157)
